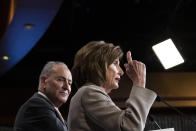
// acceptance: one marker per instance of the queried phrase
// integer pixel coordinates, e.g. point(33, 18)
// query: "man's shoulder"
point(37, 101)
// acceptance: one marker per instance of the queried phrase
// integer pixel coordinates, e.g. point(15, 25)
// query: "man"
point(40, 112)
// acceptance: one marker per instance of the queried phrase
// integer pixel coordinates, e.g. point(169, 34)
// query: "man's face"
point(57, 87)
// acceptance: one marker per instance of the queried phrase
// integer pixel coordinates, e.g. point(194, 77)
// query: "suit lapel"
point(57, 114)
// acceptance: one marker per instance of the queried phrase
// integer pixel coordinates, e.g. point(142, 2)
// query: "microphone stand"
point(160, 99)
point(151, 118)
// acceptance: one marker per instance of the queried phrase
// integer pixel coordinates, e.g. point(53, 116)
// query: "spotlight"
point(168, 54)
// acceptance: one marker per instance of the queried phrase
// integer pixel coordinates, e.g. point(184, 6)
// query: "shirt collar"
point(42, 94)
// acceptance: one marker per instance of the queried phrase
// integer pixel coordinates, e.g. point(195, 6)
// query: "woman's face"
point(113, 74)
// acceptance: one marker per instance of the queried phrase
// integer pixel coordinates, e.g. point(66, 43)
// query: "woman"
point(96, 72)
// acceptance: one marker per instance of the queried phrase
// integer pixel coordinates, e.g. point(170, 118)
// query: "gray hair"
point(48, 67)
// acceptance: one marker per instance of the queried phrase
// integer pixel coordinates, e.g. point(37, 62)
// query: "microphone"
point(151, 118)
point(160, 99)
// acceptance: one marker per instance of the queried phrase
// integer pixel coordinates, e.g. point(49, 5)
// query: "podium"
point(167, 129)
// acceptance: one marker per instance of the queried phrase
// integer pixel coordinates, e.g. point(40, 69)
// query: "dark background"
point(135, 25)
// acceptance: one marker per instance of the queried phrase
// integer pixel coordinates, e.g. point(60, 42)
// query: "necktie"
point(57, 110)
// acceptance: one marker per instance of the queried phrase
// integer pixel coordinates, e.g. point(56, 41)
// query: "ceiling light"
point(29, 26)
point(5, 57)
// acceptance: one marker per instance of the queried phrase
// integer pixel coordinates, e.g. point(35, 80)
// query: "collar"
point(42, 94)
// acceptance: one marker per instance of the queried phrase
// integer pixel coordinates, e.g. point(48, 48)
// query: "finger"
point(129, 57)
point(126, 66)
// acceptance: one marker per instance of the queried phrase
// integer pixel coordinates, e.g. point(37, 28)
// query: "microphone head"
point(159, 99)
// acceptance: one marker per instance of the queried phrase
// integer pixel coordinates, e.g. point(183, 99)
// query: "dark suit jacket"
point(91, 109)
point(38, 114)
